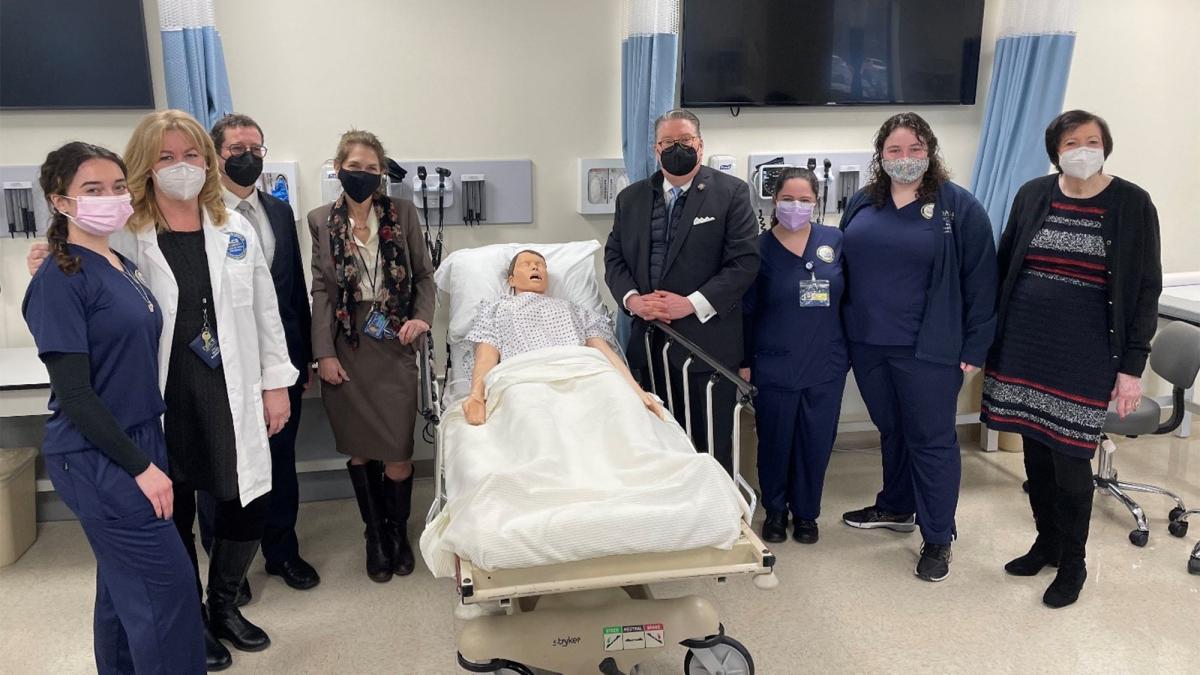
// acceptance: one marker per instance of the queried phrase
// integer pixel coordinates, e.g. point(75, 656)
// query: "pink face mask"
point(101, 215)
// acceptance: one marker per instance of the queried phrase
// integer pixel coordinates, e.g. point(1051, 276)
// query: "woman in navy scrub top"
point(97, 326)
point(796, 357)
point(919, 312)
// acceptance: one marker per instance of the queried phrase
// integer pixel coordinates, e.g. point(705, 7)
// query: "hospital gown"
point(523, 323)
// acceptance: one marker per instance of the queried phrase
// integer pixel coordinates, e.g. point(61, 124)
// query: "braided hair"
point(55, 178)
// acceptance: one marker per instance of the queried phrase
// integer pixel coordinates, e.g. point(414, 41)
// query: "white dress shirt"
point(367, 257)
point(704, 310)
point(257, 216)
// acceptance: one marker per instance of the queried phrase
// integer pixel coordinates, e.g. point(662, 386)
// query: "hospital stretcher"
point(599, 615)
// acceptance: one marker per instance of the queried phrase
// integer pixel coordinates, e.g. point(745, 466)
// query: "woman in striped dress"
point(1080, 269)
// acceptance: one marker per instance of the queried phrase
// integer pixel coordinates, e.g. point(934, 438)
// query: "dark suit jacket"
point(287, 269)
point(713, 252)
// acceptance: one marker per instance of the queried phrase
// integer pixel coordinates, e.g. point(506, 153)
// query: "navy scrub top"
point(99, 312)
point(789, 347)
point(889, 259)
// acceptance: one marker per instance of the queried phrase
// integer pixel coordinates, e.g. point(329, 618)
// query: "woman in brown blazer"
point(373, 296)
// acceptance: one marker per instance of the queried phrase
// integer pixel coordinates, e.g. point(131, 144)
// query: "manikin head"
point(527, 273)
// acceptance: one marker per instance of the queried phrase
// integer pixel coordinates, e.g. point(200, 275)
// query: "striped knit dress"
point(1050, 373)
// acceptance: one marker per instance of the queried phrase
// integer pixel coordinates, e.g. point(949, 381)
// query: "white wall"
point(540, 79)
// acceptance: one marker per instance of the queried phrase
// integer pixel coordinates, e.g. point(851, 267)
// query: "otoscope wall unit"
point(25, 212)
point(483, 192)
point(840, 173)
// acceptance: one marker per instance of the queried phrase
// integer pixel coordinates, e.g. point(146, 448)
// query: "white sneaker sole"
point(894, 527)
point(930, 579)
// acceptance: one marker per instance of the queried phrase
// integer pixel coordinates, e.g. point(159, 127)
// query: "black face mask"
point(244, 169)
point(679, 159)
point(359, 185)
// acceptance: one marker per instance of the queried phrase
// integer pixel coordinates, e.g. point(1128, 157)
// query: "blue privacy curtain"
point(194, 61)
point(1029, 81)
point(649, 56)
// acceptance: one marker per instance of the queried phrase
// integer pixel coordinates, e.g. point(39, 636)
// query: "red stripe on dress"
point(1079, 209)
point(1033, 425)
point(1068, 273)
point(1056, 260)
point(1049, 390)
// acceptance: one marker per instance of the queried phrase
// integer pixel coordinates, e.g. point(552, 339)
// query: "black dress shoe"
point(774, 529)
point(806, 531)
point(295, 573)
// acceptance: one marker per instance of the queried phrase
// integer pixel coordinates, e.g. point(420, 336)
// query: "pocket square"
point(705, 219)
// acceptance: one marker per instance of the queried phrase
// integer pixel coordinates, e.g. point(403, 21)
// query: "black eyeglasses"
point(238, 149)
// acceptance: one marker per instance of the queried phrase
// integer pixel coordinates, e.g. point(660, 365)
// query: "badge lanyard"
point(814, 292)
point(138, 286)
point(376, 325)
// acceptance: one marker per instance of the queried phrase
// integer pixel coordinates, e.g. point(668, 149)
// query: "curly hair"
point(55, 178)
point(879, 188)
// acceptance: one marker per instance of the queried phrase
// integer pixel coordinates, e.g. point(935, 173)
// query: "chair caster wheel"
point(1176, 514)
point(1194, 566)
point(1025, 487)
point(1139, 537)
point(1178, 528)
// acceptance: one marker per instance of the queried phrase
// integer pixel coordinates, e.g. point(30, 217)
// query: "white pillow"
point(471, 276)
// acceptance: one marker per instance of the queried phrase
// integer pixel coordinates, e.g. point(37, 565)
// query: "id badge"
point(376, 326)
point(814, 293)
point(207, 348)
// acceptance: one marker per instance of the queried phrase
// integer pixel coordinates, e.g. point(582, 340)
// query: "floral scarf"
point(396, 286)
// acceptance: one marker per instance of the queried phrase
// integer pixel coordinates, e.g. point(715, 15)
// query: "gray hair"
point(677, 114)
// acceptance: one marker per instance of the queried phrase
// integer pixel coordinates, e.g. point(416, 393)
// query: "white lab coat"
point(253, 349)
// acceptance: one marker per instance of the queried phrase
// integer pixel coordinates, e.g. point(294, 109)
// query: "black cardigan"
point(1134, 268)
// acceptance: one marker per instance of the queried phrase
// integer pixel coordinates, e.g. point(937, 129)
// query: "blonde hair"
point(142, 154)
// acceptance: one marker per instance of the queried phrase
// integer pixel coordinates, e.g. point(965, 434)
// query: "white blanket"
point(570, 466)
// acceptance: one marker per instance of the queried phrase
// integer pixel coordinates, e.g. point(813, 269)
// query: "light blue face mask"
point(906, 170)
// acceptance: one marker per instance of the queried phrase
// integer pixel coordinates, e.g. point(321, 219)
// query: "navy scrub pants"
point(279, 542)
point(914, 403)
point(795, 439)
point(147, 615)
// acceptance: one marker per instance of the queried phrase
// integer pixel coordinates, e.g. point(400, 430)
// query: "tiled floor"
point(850, 604)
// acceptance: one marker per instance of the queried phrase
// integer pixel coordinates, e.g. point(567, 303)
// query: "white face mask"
point(180, 181)
point(1081, 163)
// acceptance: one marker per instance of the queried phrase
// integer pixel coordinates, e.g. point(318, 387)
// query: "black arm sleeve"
point(70, 378)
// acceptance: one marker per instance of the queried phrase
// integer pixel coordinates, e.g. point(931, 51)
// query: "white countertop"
point(20, 368)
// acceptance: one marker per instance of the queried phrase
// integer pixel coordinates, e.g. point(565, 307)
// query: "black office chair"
point(1176, 359)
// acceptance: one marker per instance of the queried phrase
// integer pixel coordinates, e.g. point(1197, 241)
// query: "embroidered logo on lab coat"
point(927, 211)
point(237, 246)
point(702, 220)
point(825, 253)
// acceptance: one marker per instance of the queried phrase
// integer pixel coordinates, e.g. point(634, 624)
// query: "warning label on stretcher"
point(638, 636)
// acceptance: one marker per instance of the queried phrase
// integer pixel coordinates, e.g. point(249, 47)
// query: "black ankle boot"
point(398, 500)
point(774, 528)
point(368, 487)
point(226, 570)
point(1030, 564)
point(216, 656)
point(1067, 584)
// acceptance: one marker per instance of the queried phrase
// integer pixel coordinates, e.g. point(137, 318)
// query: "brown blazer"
point(324, 281)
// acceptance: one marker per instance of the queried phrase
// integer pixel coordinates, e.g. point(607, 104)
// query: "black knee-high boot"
point(1074, 515)
point(398, 498)
point(368, 489)
point(226, 569)
point(216, 656)
point(1039, 468)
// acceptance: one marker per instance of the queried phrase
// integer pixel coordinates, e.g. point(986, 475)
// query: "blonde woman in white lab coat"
point(223, 361)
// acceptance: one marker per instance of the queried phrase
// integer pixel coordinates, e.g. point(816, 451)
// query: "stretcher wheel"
point(513, 669)
point(730, 657)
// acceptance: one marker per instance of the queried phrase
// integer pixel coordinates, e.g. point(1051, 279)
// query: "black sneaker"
point(871, 517)
point(774, 529)
point(934, 564)
point(806, 531)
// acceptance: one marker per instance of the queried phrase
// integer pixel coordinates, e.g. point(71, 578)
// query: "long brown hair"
point(880, 187)
point(142, 155)
point(55, 178)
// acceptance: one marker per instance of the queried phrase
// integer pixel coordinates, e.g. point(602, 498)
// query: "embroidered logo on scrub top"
point(237, 246)
point(927, 211)
point(825, 253)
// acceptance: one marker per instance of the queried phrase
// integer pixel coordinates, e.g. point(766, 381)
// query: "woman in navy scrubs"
point(97, 326)
point(796, 357)
point(920, 312)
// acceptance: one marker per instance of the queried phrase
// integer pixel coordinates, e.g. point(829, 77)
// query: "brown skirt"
point(373, 414)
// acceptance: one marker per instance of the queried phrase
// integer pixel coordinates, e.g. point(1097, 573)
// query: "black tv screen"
point(74, 54)
point(823, 52)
